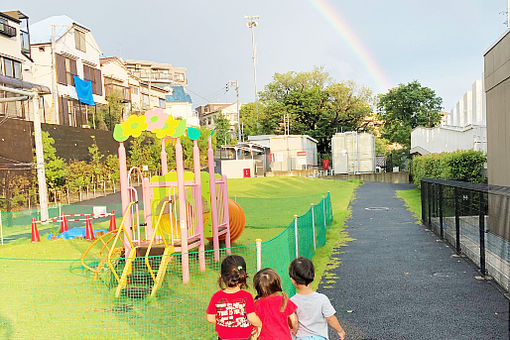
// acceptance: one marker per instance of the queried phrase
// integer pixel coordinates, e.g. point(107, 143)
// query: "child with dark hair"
point(314, 310)
point(232, 309)
point(273, 306)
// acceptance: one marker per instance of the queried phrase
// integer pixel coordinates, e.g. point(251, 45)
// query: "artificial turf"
point(46, 293)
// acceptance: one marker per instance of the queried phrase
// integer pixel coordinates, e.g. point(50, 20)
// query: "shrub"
point(460, 165)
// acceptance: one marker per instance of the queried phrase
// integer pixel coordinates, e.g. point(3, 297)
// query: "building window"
point(145, 100)
point(94, 76)
point(162, 103)
point(66, 68)
point(12, 68)
point(79, 40)
point(134, 90)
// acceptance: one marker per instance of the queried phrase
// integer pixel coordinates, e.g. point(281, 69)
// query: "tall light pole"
point(236, 84)
point(252, 23)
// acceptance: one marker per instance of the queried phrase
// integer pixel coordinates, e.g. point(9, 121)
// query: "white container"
point(353, 153)
point(293, 152)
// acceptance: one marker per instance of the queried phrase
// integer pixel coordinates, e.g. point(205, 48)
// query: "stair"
point(136, 281)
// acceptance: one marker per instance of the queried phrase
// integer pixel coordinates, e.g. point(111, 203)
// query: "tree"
point(406, 107)
point(110, 114)
point(54, 167)
point(222, 128)
point(312, 103)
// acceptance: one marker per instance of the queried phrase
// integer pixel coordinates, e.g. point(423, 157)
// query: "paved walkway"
point(396, 281)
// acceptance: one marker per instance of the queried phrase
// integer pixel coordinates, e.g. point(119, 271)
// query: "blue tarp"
point(178, 95)
point(84, 90)
point(74, 232)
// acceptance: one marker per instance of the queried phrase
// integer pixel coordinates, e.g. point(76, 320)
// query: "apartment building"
point(136, 94)
point(62, 48)
point(171, 79)
point(16, 63)
point(208, 112)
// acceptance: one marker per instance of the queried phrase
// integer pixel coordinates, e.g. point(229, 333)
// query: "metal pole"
point(422, 192)
point(313, 228)
point(429, 207)
point(441, 226)
point(481, 226)
point(457, 221)
point(296, 234)
point(41, 177)
point(258, 243)
point(238, 116)
point(252, 23)
point(1, 229)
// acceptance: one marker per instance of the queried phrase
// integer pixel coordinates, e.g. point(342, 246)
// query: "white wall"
point(184, 111)
point(285, 149)
point(235, 168)
point(353, 152)
point(448, 139)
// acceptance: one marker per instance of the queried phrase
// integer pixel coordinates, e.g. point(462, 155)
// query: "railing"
point(473, 219)
point(7, 30)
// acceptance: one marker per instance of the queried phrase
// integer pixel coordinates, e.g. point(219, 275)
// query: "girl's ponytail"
point(233, 272)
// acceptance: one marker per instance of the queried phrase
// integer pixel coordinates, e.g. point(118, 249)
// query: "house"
point(134, 93)
point(16, 63)
point(208, 112)
point(62, 48)
point(463, 128)
point(170, 79)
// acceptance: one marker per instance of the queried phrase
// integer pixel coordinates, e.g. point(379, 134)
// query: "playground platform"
point(397, 280)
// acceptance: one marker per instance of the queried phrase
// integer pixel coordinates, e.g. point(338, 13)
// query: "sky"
point(377, 44)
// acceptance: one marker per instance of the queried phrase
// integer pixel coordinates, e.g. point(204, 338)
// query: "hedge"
point(462, 165)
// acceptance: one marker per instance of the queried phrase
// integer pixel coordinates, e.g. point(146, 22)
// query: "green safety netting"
point(60, 299)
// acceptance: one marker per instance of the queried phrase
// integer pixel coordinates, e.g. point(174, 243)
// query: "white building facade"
point(61, 49)
point(464, 128)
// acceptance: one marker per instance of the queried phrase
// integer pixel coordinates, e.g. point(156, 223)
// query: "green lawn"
point(412, 199)
point(55, 297)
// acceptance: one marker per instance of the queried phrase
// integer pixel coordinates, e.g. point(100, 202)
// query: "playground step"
point(139, 264)
point(136, 292)
point(140, 278)
point(155, 250)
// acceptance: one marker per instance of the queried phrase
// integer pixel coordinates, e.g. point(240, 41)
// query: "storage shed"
point(293, 152)
point(353, 153)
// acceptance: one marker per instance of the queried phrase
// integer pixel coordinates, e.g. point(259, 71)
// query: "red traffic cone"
point(63, 223)
point(89, 233)
point(35, 232)
point(113, 224)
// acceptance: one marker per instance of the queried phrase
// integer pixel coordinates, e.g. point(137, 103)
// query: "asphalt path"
point(397, 280)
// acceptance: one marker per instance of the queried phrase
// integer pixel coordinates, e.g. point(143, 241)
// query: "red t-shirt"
point(275, 324)
point(231, 311)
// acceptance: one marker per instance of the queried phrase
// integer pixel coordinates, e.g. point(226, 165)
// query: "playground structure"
point(179, 212)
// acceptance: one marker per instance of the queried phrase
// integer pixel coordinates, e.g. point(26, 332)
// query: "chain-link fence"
point(474, 219)
point(60, 299)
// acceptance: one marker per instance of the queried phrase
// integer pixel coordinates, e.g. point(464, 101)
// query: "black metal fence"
point(474, 219)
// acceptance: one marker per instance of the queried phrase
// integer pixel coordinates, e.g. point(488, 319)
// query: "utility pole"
point(54, 95)
point(252, 23)
point(236, 84)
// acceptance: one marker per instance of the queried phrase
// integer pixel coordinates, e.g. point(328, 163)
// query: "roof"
point(178, 95)
point(40, 32)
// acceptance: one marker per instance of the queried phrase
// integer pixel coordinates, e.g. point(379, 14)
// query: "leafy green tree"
point(55, 167)
point(312, 103)
point(222, 130)
point(406, 107)
point(106, 116)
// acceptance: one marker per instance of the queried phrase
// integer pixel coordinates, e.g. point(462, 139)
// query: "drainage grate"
point(378, 208)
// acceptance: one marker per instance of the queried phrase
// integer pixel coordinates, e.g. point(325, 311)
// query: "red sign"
point(272, 157)
point(301, 153)
point(325, 164)
point(246, 172)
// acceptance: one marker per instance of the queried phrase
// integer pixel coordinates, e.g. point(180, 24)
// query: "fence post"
point(457, 221)
point(313, 228)
point(258, 243)
point(441, 226)
point(1, 229)
point(296, 234)
point(481, 225)
point(324, 211)
point(429, 203)
point(422, 192)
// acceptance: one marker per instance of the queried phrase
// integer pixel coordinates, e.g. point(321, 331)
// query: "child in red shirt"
point(231, 308)
point(273, 306)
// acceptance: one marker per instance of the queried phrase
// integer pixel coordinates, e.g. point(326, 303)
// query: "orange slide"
point(237, 220)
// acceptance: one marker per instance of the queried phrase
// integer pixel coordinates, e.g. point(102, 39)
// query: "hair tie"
point(239, 267)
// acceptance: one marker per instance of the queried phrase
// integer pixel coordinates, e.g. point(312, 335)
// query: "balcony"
point(7, 30)
point(123, 92)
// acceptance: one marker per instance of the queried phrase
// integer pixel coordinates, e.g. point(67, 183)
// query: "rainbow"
point(341, 26)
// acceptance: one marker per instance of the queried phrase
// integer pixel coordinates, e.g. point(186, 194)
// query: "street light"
point(252, 23)
point(236, 84)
